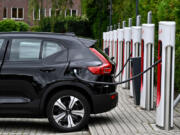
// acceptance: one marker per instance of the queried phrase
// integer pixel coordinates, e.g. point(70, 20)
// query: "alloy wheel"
point(68, 111)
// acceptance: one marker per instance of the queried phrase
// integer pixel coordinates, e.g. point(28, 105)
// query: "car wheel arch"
point(50, 91)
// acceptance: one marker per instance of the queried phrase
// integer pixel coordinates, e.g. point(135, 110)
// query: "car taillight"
point(106, 66)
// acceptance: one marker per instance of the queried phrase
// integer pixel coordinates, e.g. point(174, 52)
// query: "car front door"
point(24, 75)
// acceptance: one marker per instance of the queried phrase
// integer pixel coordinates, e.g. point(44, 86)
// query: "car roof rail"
point(30, 32)
point(70, 34)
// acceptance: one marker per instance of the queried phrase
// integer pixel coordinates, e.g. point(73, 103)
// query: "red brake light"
point(105, 68)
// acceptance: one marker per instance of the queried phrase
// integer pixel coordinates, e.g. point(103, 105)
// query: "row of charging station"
point(138, 41)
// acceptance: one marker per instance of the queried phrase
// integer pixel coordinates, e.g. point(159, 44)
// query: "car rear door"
point(25, 74)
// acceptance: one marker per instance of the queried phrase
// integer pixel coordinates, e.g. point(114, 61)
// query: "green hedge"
point(79, 25)
point(11, 25)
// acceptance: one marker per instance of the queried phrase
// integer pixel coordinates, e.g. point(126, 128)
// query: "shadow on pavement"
point(25, 125)
point(99, 119)
point(30, 126)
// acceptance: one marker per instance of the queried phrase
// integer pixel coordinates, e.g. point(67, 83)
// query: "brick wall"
point(28, 17)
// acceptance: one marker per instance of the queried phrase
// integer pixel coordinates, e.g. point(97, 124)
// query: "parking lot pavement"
point(129, 119)
point(25, 126)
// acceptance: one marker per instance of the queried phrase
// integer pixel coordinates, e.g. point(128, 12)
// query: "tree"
point(98, 14)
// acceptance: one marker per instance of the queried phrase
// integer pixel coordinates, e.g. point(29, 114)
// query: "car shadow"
point(21, 125)
point(27, 126)
point(97, 119)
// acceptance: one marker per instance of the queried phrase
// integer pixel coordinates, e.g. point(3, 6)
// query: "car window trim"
point(58, 41)
point(7, 58)
point(55, 41)
point(3, 48)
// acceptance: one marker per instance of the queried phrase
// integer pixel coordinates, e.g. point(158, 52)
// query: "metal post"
point(149, 17)
point(107, 28)
point(168, 87)
point(114, 26)
point(138, 20)
point(137, 5)
point(110, 12)
point(177, 100)
point(130, 22)
point(110, 28)
point(124, 24)
point(149, 76)
point(119, 25)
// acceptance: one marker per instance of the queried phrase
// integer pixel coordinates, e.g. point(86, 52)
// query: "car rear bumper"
point(104, 102)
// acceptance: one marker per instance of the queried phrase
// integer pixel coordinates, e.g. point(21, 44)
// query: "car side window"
point(25, 49)
point(1, 42)
point(50, 48)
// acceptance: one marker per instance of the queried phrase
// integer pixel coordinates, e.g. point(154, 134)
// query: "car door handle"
point(48, 69)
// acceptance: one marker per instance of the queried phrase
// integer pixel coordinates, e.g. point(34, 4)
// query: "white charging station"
point(115, 46)
point(108, 41)
point(165, 78)
point(105, 45)
point(111, 43)
point(104, 41)
point(136, 49)
point(120, 52)
point(147, 59)
point(127, 51)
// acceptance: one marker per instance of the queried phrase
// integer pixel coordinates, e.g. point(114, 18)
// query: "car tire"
point(68, 111)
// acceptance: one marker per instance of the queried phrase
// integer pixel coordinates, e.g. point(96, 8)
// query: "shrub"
point(35, 28)
point(22, 26)
point(11, 25)
point(8, 25)
point(177, 67)
point(59, 25)
point(45, 24)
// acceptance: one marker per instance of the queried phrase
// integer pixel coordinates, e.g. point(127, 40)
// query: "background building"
point(19, 10)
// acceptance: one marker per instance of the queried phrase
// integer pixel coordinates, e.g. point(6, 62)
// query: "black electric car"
point(37, 78)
